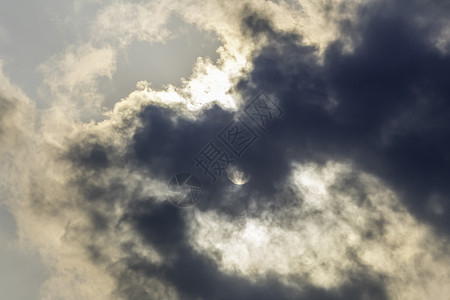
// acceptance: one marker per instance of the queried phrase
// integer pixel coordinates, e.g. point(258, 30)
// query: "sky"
point(225, 149)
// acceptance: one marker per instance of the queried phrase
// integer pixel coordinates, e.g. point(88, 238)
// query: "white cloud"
point(71, 79)
point(331, 234)
point(124, 22)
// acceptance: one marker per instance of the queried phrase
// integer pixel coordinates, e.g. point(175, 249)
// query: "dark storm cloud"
point(90, 155)
point(162, 146)
point(393, 107)
point(385, 106)
point(167, 147)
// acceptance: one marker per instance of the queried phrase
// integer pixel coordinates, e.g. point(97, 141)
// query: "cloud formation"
point(348, 196)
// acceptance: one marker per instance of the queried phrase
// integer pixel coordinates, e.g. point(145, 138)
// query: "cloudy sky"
point(290, 149)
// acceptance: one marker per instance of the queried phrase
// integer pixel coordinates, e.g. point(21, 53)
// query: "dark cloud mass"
point(392, 106)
